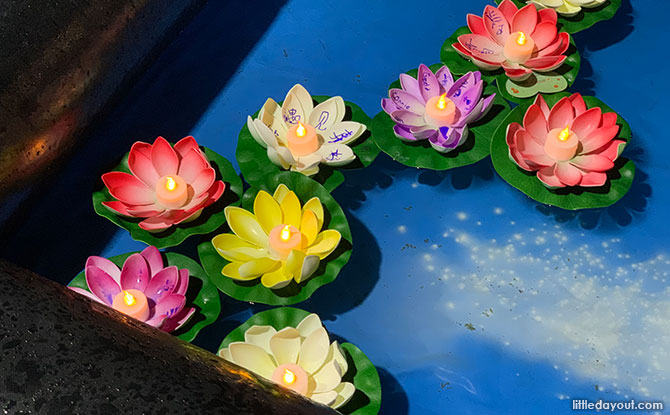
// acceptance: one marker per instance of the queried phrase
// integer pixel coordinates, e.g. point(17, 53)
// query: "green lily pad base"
point(253, 291)
point(586, 18)
point(211, 218)
point(255, 164)
point(619, 180)
point(421, 154)
point(201, 294)
point(537, 83)
point(362, 373)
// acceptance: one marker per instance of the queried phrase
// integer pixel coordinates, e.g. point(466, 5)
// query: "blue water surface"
point(469, 297)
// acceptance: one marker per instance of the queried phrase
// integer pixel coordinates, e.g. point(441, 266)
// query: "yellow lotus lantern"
point(279, 242)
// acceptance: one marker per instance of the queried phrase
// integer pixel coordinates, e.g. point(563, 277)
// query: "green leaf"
point(201, 294)
point(253, 291)
point(211, 218)
point(421, 154)
point(568, 71)
point(255, 165)
point(458, 65)
point(362, 373)
point(620, 178)
point(586, 18)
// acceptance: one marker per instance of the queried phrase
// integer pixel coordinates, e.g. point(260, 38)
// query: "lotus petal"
point(482, 48)
point(260, 336)
point(592, 162)
point(105, 265)
point(162, 284)
point(192, 164)
point(343, 132)
point(314, 350)
point(327, 114)
point(593, 179)
point(267, 211)
point(164, 157)
point(406, 101)
point(101, 284)
point(142, 167)
point(309, 226)
point(508, 9)
point(587, 122)
point(309, 266)
point(336, 154)
point(291, 211)
point(87, 294)
point(297, 105)
point(410, 85)
point(445, 78)
point(184, 278)
point(135, 273)
point(185, 145)
point(548, 177)
point(325, 243)
point(598, 138)
point(404, 133)
point(345, 391)
point(327, 378)
point(257, 267)
point(309, 324)
point(244, 224)
point(496, 24)
point(325, 398)
point(128, 188)
point(568, 174)
point(428, 83)
point(280, 192)
point(285, 345)
point(476, 25)
point(232, 270)
point(253, 358)
point(561, 114)
point(276, 279)
point(233, 248)
point(525, 20)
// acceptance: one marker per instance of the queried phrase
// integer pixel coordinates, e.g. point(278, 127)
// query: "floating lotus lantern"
point(569, 147)
point(279, 243)
point(143, 288)
point(158, 192)
point(292, 348)
point(436, 108)
point(296, 135)
point(428, 106)
point(521, 47)
point(521, 41)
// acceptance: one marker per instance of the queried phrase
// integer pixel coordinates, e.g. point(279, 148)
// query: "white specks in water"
point(402, 229)
point(587, 308)
point(462, 216)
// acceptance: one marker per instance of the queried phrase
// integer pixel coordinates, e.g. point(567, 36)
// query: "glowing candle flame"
point(128, 298)
point(564, 135)
point(289, 377)
point(442, 102)
point(521, 39)
point(170, 183)
point(285, 233)
point(300, 131)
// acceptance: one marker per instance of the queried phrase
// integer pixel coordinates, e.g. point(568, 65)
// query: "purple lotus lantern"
point(143, 288)
point(437, 108)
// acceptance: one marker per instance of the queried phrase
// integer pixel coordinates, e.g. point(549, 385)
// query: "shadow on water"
point(620, 213)
point(168, 99)
point(602, 35)
point(356, 279)
point(607, 32)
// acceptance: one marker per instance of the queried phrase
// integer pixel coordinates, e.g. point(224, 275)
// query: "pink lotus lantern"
point(143, 288)
point(521, 41)
point(168, 186)
point(567, 145)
